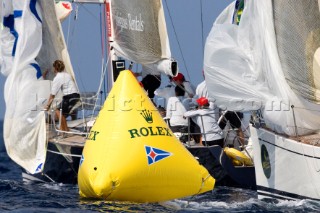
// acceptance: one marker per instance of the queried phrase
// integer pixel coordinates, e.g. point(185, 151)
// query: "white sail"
point(140, 33)
point(53, 42)
point(254, 65)
point(24, 43)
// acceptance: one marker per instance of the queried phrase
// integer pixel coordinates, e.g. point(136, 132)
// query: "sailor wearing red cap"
point(179, 79)
point(207, 118)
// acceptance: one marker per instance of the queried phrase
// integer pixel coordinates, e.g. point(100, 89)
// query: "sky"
point(187, 31)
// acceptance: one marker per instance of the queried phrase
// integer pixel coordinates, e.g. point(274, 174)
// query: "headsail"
point(23, 49)
point(254, 65)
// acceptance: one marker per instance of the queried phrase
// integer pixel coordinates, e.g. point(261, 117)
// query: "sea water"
point(54, 197)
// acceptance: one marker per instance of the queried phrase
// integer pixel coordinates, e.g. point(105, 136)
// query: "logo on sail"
point(154, 155)
point(129, 22)
point(147, 115)
point(39, 168)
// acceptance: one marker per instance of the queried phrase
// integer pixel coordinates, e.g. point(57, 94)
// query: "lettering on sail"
point(130, 22)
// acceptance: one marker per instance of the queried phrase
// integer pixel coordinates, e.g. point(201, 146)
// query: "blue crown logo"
point(147, 115)
point(155, 155)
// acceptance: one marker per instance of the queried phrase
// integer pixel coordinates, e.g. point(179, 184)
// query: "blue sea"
point(52, 197)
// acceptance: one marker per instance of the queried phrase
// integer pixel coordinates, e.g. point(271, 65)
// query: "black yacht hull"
point(62, 164)
point(214, 159)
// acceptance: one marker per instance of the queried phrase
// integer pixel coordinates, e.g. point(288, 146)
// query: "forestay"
point(270, 61)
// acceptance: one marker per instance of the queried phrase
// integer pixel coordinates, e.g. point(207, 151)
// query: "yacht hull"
point(215, 160)
point(61, 166)
point(286, 169)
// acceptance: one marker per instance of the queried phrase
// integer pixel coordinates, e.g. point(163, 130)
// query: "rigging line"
point(103, 41)
point(64, 154)
point(47, 176)
point(98, 19)
point(201, 19)
point(104, 68)
point(68, 48)
point(176, 36)
point(89, 12)
point(68, 45)
point(71, 29)
point(78, 68)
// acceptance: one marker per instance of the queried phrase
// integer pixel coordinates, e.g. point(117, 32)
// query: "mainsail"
point(140, 33)
point(139, 28)
point(27, 49)
point(269, 61)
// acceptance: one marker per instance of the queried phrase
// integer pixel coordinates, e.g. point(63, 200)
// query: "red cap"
point(179, 77)
point(202, 101)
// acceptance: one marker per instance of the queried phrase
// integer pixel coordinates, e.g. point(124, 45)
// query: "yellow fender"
point(132, 155)
point(237, 157)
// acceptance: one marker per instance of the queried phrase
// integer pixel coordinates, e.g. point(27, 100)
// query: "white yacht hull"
point(285, 168)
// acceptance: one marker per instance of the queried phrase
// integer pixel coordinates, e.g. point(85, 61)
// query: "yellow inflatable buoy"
point(132, 155)
point(237, 157)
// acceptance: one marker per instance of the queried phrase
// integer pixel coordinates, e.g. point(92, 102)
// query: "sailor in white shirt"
point(65, 82)
point(176, 108)
point(207, 118)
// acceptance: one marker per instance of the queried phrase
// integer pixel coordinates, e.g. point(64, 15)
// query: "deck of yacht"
point(70, 140)
point(311, 139)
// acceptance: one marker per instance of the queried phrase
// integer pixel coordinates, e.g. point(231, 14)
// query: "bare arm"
point(51, 98)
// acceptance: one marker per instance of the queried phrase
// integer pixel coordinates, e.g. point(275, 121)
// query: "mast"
point(113, 63)
point(136, 33)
